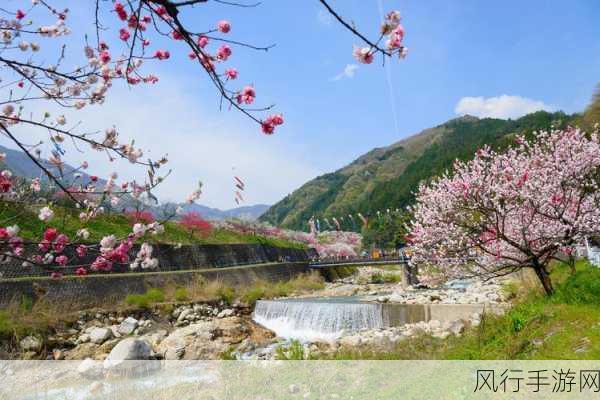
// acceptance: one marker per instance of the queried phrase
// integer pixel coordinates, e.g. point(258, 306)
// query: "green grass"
point(181, 294)
point(563, 326)
point(152, 296)
point(294, 351)
point(66, 220)
point(385, 277)
point(267, 290)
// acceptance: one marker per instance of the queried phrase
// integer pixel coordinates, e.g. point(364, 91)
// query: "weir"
point(313, 319)
point(317, 319)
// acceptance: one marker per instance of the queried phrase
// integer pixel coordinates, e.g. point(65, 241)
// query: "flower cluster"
point(393, 31)
point(328, 243)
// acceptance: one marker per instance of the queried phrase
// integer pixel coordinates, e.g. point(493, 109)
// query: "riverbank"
point(218, 324)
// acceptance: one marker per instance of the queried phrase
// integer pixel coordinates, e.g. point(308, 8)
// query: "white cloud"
point(503, 107)
point(201, 142)
point(348, 72)
point(324, 18)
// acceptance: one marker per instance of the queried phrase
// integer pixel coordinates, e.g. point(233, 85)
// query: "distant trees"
point(592, 112)
point(387, 231)
point(500, 213)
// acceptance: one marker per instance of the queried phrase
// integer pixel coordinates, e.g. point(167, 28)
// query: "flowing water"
point(317, 319)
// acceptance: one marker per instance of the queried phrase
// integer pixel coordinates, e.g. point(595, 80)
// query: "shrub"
point(253, 294)
point(151, 296)
point(294, 351)
point(380, 277)
point(181, 294)
point(226, 294)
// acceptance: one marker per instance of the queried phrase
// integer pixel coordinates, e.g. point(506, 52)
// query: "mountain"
point(21, 165)
point(245, 212)
point(387, 177)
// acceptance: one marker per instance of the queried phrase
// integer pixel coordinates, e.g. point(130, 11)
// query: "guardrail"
point(334, 261)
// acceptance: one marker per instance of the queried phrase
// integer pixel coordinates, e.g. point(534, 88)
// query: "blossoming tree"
point(500, 213)
point(36, 68)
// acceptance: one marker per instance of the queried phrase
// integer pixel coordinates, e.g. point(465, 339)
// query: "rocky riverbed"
point(213, 331)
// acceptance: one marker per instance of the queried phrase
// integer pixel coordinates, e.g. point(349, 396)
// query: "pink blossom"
point(55, 275)
point(105, 57)
point(162, 54)
point(124, 34)
point(223, 53)
point(247, 95)
point(176, 35)
point(202, 41)
point(20, 15)
point(267, 128)
point(231, 73)
point(50, 234)
point(224, 26)
point(62, 260)
point(81, 271)
point(81, 251)
point(363, 55)
point(60, 243)
point(160, 10)
point(120, 10)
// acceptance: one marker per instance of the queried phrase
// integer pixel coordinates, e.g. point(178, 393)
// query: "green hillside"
point(387, 177)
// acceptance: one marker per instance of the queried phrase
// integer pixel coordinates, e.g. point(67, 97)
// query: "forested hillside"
point(386, 178)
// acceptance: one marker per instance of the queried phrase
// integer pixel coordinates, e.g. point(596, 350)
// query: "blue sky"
point(545, 52)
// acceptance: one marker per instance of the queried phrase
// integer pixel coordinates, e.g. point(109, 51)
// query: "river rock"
point(351, 341)
point(194, 341)
point(100, 335)
point(225, 313)
point(457, 327)
point(128, 326)
point(128, 349)
point(31, 343)
point(90, 369)
point(185, 314)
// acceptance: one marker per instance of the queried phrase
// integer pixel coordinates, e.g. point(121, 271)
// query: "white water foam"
point(315, 320)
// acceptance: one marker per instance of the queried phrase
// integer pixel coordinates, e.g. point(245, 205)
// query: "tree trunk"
point(544, 277)
point(572, 264)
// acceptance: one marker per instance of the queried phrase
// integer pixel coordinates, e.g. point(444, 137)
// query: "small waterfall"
point(312, 320)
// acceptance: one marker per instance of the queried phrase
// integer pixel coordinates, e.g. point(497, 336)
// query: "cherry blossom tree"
point(500, 213)
point(194, 223)
point(39, 66)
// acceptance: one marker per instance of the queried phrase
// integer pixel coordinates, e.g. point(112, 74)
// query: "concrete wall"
point(97, 289)
point(173, 258)
point(399, 314)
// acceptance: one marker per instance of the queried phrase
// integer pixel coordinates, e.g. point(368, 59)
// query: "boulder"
point(199, 341)
point(100, 335)
point(128, 349)
point(31, 344)
point(82, 351)
point(185, 314)
point(90, 369)
point(457, 327)
point(228, 312)
point(128, 326)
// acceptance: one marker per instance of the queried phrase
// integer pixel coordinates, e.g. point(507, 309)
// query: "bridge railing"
point(401, 259)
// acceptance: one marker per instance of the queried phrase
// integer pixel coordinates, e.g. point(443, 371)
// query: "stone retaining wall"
point(97, 289)
point(177, 258)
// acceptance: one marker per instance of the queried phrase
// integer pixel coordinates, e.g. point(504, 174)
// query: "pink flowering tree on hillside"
point(500, 213)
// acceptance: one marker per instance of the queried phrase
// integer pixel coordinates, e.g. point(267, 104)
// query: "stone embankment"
point(216, 330)
point(190, 331)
